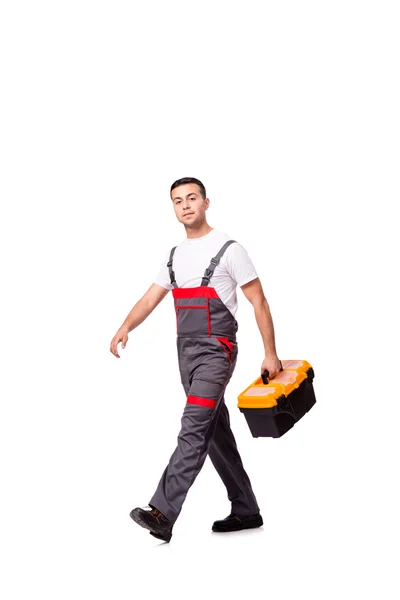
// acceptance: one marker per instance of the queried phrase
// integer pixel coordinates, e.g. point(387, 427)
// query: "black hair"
point(189, 180)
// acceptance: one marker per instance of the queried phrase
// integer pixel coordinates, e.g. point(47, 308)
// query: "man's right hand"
point(120, 336)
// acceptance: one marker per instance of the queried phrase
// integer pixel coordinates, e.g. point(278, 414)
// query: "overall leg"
point(225, 457)
point(200, 415)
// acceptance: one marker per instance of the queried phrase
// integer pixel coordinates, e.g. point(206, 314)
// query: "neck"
point(197, 232)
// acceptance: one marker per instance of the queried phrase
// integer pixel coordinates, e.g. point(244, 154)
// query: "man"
point(203, 272)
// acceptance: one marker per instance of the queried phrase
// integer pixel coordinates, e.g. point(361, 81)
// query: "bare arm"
point(255, 294)
point(138, 314)
point(144, 307)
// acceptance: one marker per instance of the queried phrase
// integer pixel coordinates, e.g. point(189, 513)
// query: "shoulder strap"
point(208, 273)
point(169, 265)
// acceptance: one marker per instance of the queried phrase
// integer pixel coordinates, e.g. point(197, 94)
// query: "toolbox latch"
point(282, 402)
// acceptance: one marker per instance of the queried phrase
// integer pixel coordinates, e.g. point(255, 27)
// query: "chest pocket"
point(193, 316)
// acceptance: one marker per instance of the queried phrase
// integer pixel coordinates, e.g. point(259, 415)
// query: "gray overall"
point(207, 353)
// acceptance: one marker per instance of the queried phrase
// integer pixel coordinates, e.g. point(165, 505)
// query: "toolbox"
point(272, 407)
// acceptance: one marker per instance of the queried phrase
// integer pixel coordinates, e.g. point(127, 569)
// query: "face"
point(189, 206)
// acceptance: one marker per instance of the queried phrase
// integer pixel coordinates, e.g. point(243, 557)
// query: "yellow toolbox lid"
point(301, 366)
point(260, 395)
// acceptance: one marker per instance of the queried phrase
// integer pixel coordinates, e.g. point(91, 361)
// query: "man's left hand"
point(272, 364)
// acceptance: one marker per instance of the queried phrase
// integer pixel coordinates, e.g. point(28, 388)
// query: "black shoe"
point(235, 522)
point(152, 519)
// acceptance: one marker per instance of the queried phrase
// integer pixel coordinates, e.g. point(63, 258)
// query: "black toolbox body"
point(288, 403)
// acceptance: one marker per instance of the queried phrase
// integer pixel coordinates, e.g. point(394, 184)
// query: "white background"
point(289, 114)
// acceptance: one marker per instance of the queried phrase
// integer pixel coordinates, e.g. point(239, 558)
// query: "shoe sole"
point(161, 536)
point(227, 529)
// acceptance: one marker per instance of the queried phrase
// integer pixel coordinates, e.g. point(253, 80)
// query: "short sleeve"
point(163, 277)
point(239, 264)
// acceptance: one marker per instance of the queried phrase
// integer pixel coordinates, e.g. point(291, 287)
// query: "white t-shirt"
point(193, 256)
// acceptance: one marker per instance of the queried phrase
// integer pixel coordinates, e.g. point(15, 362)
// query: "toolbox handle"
point(265, 375)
